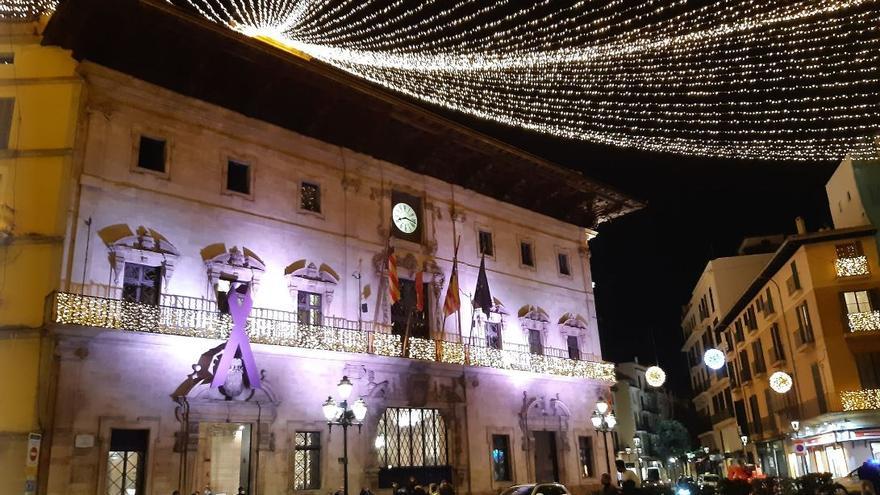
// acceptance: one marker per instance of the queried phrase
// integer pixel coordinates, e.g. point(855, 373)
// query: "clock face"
point(405, 218)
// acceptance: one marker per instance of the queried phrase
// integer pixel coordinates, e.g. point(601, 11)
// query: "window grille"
point(412, 437)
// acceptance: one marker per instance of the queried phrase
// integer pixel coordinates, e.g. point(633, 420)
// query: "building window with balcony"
point(778, 353)
point(501, 458)
point(768, 302)
point(574, 350)
point(758, 352)
point(493, 335)
point(307, 460)
point(308, 308)
point(860, 312)
point(851, 261)
point(536, 345)
point(757, 427)
point(820, 388)
point(745, 369)
point(141, 284)
point(750, 319)
point(805, 327)
point(738, 331)
point(868, 364)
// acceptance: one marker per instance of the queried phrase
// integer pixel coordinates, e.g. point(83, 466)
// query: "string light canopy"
point(795, 80)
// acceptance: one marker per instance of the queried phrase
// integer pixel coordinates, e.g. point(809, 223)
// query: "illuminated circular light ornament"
point(714, 359)
point(655, 376)
point(780, 382)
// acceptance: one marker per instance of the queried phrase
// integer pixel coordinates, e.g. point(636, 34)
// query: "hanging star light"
point(780, 382)
point(655, 376)
point(714, 359)
point(748, 79)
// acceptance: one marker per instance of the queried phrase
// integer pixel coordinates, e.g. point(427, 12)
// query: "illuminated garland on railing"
point(860, 400)
point(74, 309)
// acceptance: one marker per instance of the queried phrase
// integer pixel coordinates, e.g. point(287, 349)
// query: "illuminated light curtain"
point(738, 78)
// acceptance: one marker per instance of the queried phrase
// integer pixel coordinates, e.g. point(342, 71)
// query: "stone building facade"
point(180, 203)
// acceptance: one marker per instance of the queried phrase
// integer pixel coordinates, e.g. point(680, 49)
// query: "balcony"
point(856, 266)
point(721, 415)
point(193, 317)
point(860, 400)
point(868, 321)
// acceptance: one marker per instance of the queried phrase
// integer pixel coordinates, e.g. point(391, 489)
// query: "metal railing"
point(195, 317)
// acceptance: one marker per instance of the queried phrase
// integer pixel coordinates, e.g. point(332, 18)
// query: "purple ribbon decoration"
point(239, 307)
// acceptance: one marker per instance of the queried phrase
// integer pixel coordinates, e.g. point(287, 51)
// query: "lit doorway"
point(224, 457)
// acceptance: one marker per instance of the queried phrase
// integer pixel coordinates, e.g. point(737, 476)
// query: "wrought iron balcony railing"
point(193, 317)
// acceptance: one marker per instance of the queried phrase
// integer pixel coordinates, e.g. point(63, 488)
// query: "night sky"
point(646, 263)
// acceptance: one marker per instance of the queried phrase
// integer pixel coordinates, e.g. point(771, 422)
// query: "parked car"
point(851, 482)
point(709, 480)
point(537, 489)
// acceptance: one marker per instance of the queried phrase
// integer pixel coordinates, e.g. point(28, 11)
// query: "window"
point(526, 256)
point(849, 250)
point(7, 107)
point(805, 328)
point(778, 350)
point(795, 278)
point(411, 437)
point(745, 369)
point(564, 268)
point(820, 388)
point(711, 299)
point(757, 427)
point(768, 302)
point(486, 246)
point(751, 320)
point(868, 364)
point(310, 197)
point(493, 335)
point(238, 177)
point(224, 284)
point(574, 350)
point(141, 284)
point(535, 344)
point(151, 154)
point(585, 454)
point(758, 352)
point(126, 461)
point(308, 307)
point(857, 302)
point(307, 460)
point(738, 331)
point(501, 458)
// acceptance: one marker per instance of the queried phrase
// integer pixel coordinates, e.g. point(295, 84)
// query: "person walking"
point(607, 487)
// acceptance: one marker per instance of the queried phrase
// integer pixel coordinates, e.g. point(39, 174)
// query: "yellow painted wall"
point(35, 173)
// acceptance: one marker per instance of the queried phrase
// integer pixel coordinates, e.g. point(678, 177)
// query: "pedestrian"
point(175, 492)
point(626, 476)
point(207, 490)
point(366, 491)
point(241, 491)
point(445, 488)
point(411, 485)
point(432, 489)
point(607, 487)
point(869, 473)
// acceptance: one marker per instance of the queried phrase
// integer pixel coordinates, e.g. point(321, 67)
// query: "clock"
point(405, 218)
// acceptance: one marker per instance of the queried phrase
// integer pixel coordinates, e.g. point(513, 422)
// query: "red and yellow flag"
point(393, 281)
point(420, 291)
point(452, 302)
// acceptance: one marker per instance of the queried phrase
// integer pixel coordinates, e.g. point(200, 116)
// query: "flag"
point(393, 281)
point(452, 301)
point(482, 296)
point(420, 291)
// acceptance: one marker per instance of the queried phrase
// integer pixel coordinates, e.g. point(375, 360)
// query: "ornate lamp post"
point(343, 415)
point(604, 421)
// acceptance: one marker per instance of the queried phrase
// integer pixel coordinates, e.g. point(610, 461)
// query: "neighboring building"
point(231, 166)
point(39, 106)
point(812, 313)
point(721, 283)
point(854, 193)
point(638, 407)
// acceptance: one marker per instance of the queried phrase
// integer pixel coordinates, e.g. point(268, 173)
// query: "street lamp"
point(637, 442)
point(604, 421)
point(744, 439)
point(343, 415)
point(795, 426)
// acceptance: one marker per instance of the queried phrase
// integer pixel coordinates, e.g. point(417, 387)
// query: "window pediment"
point(305, 275)
point(234, 264)
point(144, 247)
